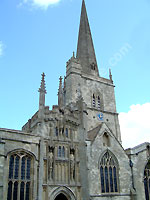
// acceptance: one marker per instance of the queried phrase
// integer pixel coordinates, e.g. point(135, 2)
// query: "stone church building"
point(74, 151)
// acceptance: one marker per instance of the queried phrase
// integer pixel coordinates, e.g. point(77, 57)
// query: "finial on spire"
point(110, 75)
point(42, 86)
point(42, 91)
point(60, 93)
point(73, 55)
point(85, 48)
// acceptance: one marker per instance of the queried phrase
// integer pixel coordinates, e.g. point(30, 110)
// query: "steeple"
point(42, 91)
point(85, 48)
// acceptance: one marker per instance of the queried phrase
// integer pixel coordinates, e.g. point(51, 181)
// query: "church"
point(74, 151)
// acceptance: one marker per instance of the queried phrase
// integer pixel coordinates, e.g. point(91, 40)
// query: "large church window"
point(109, 173)
point(19, 179)
point(147, 181)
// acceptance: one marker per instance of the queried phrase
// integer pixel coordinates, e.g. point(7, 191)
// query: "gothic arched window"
point(66, 132)
point(109, 173)
point(147, 180)
point(19, 177)
point(99, 103)
point(56, 131)
point(93, 100)
point(63, 152)
point(59, 151)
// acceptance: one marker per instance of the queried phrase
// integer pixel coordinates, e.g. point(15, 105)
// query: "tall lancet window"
point(99, 103)
point(109, 173)
point(19, 177)
point(93, 100)
point(147, 181)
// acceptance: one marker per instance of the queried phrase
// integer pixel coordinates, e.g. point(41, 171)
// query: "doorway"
point(61, 197)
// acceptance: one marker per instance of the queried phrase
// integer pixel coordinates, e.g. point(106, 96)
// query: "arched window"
point(56, 131)
point(99, 103)
point(63, 152)
point(147, 180)
point(106, 140)
point(109, 173)
point(59, 151)
point(93, 100)
point(66, 132)
point(19, 177)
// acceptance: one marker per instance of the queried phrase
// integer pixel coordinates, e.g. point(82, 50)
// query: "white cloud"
point(1, 48)
point(40, 3)
point(135, 125)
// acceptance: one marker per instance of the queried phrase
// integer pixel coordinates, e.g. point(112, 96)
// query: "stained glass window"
point(102, 179)
point(9, 190)
point(19, 180)
point(11, 166)
point(28, 168)
point(22, 191)
point(15, 190)
point(108, 173)
point(27, 190)
point(16, 167)
point(23, 168)
point(147, 181)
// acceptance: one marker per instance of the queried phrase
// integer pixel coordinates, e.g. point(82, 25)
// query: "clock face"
point(100, 116)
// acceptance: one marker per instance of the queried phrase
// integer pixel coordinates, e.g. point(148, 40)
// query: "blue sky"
point(40, 35)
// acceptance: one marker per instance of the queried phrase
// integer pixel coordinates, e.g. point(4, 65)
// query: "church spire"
point(42, 91)
point(85, 48)
point(60, 93)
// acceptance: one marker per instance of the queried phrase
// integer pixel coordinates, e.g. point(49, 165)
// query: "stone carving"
point(50, 164)
point(72, 165)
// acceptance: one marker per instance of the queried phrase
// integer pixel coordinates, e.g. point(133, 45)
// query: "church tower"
point(74, 151)
point(97, 92)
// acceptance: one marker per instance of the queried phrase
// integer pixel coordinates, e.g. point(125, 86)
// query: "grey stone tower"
point(97, 92)
point(74, 151)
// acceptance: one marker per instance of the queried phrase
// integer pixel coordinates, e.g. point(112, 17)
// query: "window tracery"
point(109, 173)
point(61, 152)
point(19, 177)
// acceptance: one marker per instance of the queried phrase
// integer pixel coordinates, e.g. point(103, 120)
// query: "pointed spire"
point(85, 48)
point(110, 75)
point(42, 86)
point(42, 91)
point(60, 93)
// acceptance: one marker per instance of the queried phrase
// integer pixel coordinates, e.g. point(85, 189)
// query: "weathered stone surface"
point(69, 145)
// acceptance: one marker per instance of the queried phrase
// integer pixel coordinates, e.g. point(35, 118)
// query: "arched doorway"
point(147, 181)
point(61, 197)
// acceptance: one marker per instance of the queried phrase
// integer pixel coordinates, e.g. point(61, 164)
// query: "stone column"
point(41, 169)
